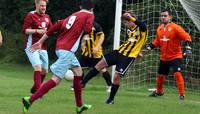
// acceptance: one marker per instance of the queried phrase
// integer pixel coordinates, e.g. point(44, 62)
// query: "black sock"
point(92, 73)
point(107, 78)
point(113, 92)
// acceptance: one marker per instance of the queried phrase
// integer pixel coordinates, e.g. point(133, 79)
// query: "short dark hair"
point(87, 4)
point(166, 10)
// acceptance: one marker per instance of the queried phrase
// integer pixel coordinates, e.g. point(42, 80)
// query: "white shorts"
point(66, 60)
point(39, 57)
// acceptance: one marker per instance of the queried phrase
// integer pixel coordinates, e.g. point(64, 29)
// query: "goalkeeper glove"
point(188, 52)
point(150, 46)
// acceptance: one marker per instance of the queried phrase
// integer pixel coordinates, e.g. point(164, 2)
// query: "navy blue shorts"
point(88, 62)
point(165, 66)
point(122, 62)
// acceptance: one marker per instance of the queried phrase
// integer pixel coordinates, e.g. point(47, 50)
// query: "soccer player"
point(168, 37)
point(125, 55)
point(36, 23)
point(92, 52)
point(1, 39)
point(70, 30)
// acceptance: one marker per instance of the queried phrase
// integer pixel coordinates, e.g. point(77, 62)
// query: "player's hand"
point(148, 47)
point(36, 46)
point(95, 50)
point(142, 52)
point(126, 16)
point(41, 31)
point(187, 53)
point(140, 55)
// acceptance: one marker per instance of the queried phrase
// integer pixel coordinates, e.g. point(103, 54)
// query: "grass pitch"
point(16, 81)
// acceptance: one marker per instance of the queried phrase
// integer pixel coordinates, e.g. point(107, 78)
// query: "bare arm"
point(100, 42)
point(38, 44)
point(83, 41)
point(35, 31)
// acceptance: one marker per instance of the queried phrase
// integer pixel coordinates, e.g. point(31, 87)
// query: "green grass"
point(16, 80)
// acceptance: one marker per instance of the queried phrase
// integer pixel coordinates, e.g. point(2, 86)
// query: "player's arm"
point(89, 24)
point(83, 41)
point(183, 35)
point(1, 39)
point(100, 34)
point(55, 28)
point(50, 32)
point(139, 23)
point(131, 17)
point(100, 42)
point(27, 26)
point(188, 48)
point(155, 43)
point(37, 45)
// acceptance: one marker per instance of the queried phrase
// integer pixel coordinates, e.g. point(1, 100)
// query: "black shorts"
point(164, 67)
point(122, 62)
point(88, 62)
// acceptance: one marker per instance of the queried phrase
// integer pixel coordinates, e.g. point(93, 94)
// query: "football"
point(69, 75)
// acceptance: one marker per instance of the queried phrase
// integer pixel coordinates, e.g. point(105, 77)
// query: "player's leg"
point(34, 59)
point(163, 71)
point(27, 101)
point(122, 65)
point(114, 88)
point(43, 74)
point(105, 73)
point(107, 78)
point(85, 63)
point(77, 85)
point(59, 68)
point(55, 80)
point(160, 79)
point(107, 60)
point(94, 71)
point(177, 68)
point(45, 63)
point(77, 70)
point(36, 78)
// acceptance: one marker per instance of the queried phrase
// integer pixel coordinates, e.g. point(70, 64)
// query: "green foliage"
point(12, 49)
point(12, 14)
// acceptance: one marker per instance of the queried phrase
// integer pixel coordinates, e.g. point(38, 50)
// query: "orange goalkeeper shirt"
point(169, 39)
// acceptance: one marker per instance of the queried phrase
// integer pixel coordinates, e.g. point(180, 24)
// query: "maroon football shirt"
point(33, 20)
point(71, 28)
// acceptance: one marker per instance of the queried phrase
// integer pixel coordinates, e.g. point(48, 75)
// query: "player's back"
point(72, 28)
point(82, 20)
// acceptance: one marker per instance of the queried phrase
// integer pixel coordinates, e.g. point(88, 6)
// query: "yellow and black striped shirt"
point(136, 39)
point(92, 41)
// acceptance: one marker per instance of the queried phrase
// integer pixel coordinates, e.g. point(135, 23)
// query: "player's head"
point(87, 4)
point(126, 19)
point(41, 6)
point(165, 15)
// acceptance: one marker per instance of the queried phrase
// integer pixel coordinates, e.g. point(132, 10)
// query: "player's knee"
point(44, 71)
point(56, 79)
point(117, 79)
point(77, 71)
point(103, 70)
point(37, 68)
point(100, 65)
